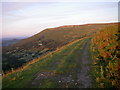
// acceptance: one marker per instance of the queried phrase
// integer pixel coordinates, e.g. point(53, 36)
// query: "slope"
point(59, 69)
point(55, 37)
point(105, 47)
point(44, 42)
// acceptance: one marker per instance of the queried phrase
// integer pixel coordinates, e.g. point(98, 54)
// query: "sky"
point(24, 19)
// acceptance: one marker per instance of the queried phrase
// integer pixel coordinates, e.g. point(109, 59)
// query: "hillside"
point(89, 62)
point(55, 37)
point(44, 42)
point(59, 69)
point(105, 47)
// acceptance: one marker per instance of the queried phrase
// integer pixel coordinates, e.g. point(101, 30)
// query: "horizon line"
point(17, 37)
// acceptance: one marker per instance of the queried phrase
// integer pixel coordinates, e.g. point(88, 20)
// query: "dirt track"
point(78, 77)
point(84, 76)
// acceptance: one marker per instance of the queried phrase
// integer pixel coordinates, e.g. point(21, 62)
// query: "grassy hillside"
point(55, 37)
point(58, 69)
point(44, 42)
point(92, 61)
point(106, 55)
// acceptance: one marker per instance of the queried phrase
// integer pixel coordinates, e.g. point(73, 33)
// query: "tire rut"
point(83, 76)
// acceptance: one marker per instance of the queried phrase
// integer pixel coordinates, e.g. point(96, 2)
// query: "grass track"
point(58, 69)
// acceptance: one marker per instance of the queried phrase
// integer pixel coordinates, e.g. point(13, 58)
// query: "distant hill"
point(44, 42)
point(9, 42)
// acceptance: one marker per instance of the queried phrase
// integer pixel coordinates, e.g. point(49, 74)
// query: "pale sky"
point(21, 19)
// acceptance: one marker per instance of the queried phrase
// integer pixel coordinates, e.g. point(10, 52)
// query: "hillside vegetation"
point(48, 40)
point(106, 56)
point(91, 61)
point(52, 38)
point(59, 69)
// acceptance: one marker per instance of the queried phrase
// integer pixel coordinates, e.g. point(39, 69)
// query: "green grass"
point(16, 55)
point(61, 63)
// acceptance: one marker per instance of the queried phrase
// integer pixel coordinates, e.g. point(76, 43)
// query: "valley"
point(9, 42)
